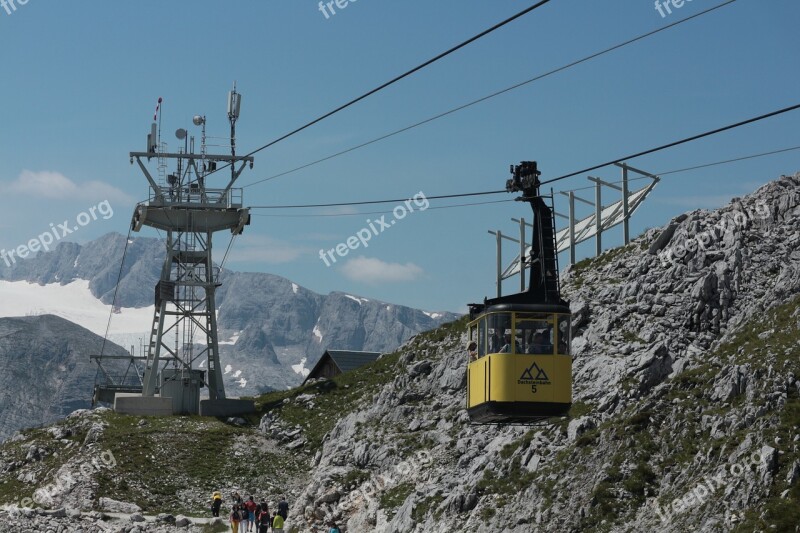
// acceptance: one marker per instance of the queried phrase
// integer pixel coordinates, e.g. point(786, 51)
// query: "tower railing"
point(194, 196)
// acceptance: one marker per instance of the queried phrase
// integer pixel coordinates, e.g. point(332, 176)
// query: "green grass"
point(579, 409)
point(641, 478)
point(427, 505)
point(169, 454)
point(394, 497)
point(594, 263)
point(454, 328)
point(629, 336)
point(156, 449)
point(509, 483)
point(487, 513)
point(355, 478)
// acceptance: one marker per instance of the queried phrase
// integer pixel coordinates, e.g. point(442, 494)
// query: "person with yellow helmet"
point(216, 503)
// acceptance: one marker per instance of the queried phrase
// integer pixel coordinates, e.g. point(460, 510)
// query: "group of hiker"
point(250, 516)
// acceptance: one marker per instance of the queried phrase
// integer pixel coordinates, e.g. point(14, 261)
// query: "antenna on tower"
point(153, 137)
point(234, 107)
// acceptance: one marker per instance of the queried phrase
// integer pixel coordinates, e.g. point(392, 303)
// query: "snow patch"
point(357, 299)
point(237, 374)
point(295, 287)
point(300, 368)
point(228, 369)
point(433, 315)
point(74, 302)
point(318, 333)
point(242, 383)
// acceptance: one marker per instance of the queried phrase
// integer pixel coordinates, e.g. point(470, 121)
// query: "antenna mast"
point(234, 107)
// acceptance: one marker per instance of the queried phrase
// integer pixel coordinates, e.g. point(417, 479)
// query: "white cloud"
point(264, 249)
point(374, 271)
point(56, 185)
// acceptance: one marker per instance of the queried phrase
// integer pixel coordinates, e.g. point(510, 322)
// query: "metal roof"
point(345, 360)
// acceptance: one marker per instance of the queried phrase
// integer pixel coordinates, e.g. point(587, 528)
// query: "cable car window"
point(482, 338)
point(563, 334)
point(535, 331)
point(499, 332)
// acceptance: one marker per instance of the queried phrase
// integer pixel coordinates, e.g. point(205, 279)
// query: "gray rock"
point(420, 368)
point(114, 506)
point(579, 426)
point(296, 444)
point(793, 473)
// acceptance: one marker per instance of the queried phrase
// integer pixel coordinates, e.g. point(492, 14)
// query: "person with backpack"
point(243, 517)
point(235, 518)
point(250, 505)
point(264, 505)
point(264, 520)
point(283, 508)
point(334, 527)
point(277, 523)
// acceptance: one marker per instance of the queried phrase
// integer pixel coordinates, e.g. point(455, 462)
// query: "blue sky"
point(81, 80)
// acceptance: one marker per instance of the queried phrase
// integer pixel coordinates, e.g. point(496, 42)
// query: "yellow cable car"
point(520, 368)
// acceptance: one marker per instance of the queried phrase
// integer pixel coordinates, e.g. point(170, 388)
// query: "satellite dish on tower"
point(181, 134)
point(199, 120)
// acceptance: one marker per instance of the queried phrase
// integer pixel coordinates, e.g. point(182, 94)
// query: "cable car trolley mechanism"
point(520, 367)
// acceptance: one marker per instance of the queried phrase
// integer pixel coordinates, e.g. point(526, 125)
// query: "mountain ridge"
point(278, 325)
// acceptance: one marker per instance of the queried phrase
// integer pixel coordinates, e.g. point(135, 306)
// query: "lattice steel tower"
point(182, 205)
